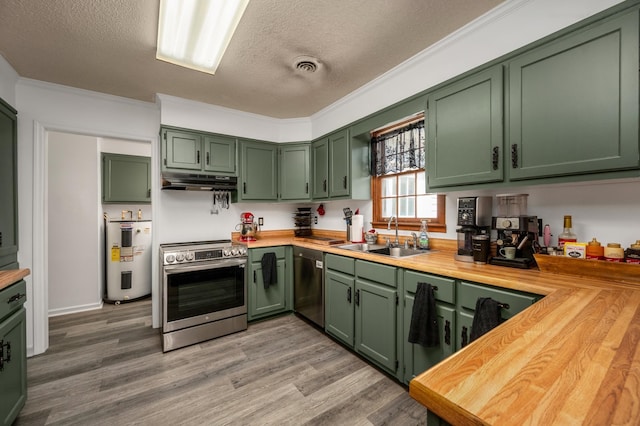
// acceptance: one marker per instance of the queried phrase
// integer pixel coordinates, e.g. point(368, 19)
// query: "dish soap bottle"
point(423, 240)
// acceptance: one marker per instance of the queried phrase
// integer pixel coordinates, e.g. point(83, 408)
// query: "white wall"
point(44, 107)
point(74, 273)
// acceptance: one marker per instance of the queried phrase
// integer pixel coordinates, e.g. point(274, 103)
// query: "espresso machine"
point(474, 218)
point(517, 233)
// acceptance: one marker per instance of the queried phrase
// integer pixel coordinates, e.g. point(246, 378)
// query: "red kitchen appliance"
point(248, 228)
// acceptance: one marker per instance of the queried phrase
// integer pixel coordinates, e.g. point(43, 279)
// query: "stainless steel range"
point(204, 291)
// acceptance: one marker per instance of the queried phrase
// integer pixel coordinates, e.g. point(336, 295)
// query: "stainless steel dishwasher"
point(308, 284)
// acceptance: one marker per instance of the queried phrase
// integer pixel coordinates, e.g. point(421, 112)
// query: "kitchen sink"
point(383, 250)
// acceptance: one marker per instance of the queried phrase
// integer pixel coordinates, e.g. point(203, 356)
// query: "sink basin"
point(383, 250)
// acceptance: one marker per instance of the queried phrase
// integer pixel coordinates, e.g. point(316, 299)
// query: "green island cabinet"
point(361, 308)
point(276, 298)
point(8, 187)
point(573, 102)
point(340, 167)
point(13, 351)
point(126, 178)
point(295, 172)
point(466, 117)
point(189, 151)
point(258, 171)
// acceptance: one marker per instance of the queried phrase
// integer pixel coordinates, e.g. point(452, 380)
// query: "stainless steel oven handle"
point(222, 263)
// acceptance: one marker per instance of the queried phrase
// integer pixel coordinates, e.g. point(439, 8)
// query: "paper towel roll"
point(357, 223)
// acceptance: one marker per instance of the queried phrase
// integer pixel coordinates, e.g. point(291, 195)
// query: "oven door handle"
point(222, 263)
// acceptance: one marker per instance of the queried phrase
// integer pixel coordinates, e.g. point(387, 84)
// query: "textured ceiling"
point(108, 46)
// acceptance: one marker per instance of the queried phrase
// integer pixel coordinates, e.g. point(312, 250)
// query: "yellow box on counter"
point(575, 250)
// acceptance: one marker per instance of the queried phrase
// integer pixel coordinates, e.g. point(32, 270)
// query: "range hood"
point(198, 182)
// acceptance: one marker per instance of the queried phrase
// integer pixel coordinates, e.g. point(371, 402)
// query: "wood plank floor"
point(106, 367)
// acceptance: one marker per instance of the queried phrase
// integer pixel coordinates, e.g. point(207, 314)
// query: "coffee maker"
point(474, 218)
point(248, 228)
point(517, 232)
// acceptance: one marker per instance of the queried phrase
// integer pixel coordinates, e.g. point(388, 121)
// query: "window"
point(398, 186)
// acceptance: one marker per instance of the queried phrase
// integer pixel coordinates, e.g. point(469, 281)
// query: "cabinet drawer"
point(256, 254)
point(12, 298)
point(468, 294)
point(383, 274)
point(340, 263)
point(446, 286)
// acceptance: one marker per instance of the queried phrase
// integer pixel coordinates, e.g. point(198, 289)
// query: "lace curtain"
point(398, 151)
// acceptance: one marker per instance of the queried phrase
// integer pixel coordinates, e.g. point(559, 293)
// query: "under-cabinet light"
point(196, 33)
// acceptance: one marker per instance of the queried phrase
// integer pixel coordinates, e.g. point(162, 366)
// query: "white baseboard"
point(75, 309)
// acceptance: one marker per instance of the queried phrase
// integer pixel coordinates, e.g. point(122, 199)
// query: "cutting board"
point(327, 241)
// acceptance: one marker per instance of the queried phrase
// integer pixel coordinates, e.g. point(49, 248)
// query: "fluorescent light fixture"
point(195, 33)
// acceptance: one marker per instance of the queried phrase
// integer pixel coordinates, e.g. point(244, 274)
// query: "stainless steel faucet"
point(397, 241)
point(414, 236)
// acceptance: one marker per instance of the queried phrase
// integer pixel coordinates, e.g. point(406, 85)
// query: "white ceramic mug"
point(508, 252)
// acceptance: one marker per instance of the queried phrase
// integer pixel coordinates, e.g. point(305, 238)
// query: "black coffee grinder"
point(517, 233)
point(474, 218)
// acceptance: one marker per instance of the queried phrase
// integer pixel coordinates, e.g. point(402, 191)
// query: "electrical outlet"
point(315, 220)
point(260, 221)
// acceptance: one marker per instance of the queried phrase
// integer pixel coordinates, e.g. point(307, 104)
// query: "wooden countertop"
point(12, 276)
point(572, 358)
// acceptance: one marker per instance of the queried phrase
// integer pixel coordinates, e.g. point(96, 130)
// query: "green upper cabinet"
point(573, 102)
point(295, 174)
point(220, 154)
point(8, 187)
point(341, 167)
point(320, 159)
point(182, 150)
point(188, 151)
point(464, 131)
point(258, 171)
point(126, 179)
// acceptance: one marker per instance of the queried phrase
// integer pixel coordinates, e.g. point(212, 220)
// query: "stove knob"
point(171, 258)
point(190, 256)
point(235, 251)
point(506, 224)
point(180, 257)
point(242, 251)
point(226, 252)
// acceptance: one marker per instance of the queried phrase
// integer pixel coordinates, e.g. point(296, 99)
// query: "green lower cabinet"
point(338, 314)
point(375, 310)
point(418, 358)
point(276, 298)
point(463, 329)
point(13, 343)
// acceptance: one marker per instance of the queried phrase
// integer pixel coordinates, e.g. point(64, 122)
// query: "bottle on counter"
point(595, 250)
point(423, 239)
point(567, 235)
point(632, 254)
point(613, 252)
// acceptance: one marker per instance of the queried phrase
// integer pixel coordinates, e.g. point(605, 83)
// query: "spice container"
point(595, 250)
point(632, 254)
point(613, 252)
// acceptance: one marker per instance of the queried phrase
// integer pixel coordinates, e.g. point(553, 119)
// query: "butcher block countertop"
point(571, 358)
point(12, 276)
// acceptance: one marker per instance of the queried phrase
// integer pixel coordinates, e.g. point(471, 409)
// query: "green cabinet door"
point(272, 299)
point(220, 154)
point(464, 131)
point(8, 187)
point(320, 160)
point(295, 172)
point(464, 320)
point(339, 164)
point(338, 315)
point(259, 171)
point(573, 103)
point(375, 322)
point(182, 150)
point(13, 392)
point(126, 178)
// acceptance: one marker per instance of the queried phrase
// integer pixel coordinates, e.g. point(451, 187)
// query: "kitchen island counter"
point(571, 358)
point(12, 276)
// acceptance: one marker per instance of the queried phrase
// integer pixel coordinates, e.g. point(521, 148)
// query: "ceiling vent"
point(306, 64)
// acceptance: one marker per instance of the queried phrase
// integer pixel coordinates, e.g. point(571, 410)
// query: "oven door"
point(202, 293)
